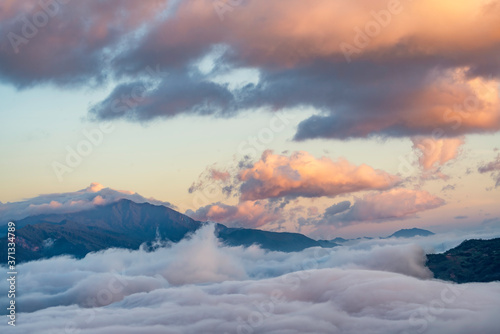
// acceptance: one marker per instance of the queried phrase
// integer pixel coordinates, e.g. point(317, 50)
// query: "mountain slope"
point(123, 224)
point(471, 261)
point(126, 224)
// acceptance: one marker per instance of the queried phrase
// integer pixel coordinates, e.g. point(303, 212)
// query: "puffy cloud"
point(373, 286)
point(95, 194)
point(436, 152)
point(249, 214)
point(396, 203)
point(492, 167)
point(302, 175)
point(407, 76)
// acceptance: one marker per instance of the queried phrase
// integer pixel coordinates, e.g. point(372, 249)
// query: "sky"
point(328, 118)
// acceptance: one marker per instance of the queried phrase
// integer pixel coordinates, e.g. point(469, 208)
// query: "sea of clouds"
point(201, 286)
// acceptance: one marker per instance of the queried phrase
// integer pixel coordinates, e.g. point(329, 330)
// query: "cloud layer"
point(411, 68)
point(199, 285)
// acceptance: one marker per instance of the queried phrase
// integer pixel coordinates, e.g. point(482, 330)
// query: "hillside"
point(471, 261)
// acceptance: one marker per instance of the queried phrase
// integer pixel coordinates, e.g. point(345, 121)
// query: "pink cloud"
point(302, 175)
point(436, 152)
point(396, 203)
point(219, 175)
point(249, 214)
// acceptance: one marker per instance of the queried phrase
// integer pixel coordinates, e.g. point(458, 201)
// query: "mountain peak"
point(410, 233)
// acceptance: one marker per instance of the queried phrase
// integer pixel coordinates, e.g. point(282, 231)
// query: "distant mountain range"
point(126, 224)
point(471, 261)
point(404, 233)
point(410, 233)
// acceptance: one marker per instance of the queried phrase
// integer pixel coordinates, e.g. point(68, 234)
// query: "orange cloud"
point(436, 152)
point(244, 214)
point(286, 33)
point(302, 175)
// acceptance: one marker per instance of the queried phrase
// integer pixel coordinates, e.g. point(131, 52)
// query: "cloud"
point(213, 175)
point(378, 207)
point(65, 42)
point(199, 286)
point(337, 208)
point(302, 175)
point(449, 187)
point(179, 92)
point(249, 214)
point(446, 104)
point(406, 77)
point(492, 167)
point(436, 152)
point(95, 194)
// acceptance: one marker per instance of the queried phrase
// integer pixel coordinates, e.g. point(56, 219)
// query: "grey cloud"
point(337, 208)
point(448, 187)
point(178, 93)
point(492, 167)
point(394, 204)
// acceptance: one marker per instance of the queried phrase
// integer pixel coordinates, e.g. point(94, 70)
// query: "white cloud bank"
point(200, 286)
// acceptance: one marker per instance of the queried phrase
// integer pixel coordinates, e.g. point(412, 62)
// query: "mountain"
point(339, 240)
point(283, 241)
point(126, 224)
point(471, 261)
point(410, 233)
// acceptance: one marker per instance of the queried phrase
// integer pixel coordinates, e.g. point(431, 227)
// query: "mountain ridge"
point(127, 224)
